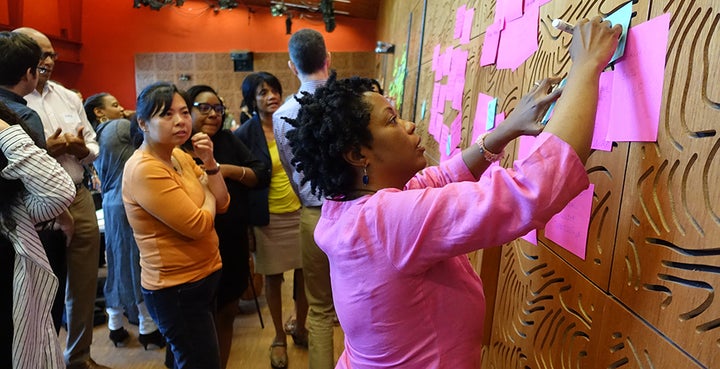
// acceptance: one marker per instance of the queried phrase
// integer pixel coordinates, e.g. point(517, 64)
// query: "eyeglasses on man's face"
point(205, 108)
point(50, 55)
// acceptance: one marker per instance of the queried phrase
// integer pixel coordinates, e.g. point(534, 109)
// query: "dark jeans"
point(184, 315)
point(53, 242)
point(7, 263)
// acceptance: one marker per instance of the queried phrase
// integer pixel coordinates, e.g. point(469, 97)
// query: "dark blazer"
point(252, 135)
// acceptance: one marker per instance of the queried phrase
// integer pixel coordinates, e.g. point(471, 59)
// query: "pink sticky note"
point(456, 96)
point(531, 237)
point(499, 11)
point(535, 3)
point(456, 131)
point(436, 58)
point(459, 21)
point(441, 99)
point(512, 9)
point(569, 227)
point(480, 115)
point(438, 128)
point(518, 40)
point(638, 83)
point(467, 26)
point(435, 103)
point(490, 44)
point(443, 141)
point(447, 61)
point(602, 117)
point(458, 64)
point(432, 123)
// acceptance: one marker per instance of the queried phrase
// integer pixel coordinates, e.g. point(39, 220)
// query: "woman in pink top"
point(396, 239)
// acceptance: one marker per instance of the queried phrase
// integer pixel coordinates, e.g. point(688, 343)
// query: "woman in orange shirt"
point(171, 204)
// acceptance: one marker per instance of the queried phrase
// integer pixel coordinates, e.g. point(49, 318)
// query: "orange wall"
point(113, 32)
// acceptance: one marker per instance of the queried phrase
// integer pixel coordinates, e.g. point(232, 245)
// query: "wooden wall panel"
point(216, 70)
point(548, 316)
point(667, 266)
point(425, 90)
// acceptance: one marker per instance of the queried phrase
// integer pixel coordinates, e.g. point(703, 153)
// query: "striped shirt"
point(48, 192)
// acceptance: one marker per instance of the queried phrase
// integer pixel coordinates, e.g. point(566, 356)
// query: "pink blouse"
point(405, 293)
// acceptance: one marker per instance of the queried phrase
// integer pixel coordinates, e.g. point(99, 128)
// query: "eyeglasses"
point(42, 70)
point(204, 108)
point(46, 54)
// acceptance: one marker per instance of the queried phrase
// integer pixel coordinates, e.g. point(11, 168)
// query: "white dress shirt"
point(61, 108)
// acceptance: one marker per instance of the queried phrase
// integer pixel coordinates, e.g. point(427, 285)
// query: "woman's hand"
point(203, 149)
point(533, 106)
point(594, 42)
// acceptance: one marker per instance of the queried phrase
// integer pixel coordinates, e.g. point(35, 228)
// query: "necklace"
point(176, 165)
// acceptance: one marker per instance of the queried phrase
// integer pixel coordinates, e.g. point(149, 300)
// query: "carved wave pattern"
point(667, 267)
point(542, 320)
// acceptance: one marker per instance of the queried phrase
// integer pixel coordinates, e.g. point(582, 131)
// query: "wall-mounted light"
point(278, 9)
point(384, 48)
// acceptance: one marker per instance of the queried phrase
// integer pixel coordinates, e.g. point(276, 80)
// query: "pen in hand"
point(562, 25)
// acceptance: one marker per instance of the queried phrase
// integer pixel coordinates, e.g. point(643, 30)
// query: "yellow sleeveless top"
point(282, 198)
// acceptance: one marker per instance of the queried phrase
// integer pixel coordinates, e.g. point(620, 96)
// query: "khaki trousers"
point(321, 310)
point(82, 271)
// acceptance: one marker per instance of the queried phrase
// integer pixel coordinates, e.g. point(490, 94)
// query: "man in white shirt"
point(71, 140)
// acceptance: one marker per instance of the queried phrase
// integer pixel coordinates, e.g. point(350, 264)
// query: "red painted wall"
point(113, 32)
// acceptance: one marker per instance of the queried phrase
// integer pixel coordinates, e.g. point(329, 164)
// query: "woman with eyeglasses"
point(241, 172)
point(171, 203)
point(122, 285)
point(275, 212)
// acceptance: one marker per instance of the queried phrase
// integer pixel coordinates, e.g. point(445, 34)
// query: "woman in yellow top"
point(276, 212)
point(171, 204)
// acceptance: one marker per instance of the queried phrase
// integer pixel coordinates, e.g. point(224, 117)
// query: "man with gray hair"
point(310, 62)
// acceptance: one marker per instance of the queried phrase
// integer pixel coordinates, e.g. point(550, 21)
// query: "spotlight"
point(278, 10)
point(384, 48)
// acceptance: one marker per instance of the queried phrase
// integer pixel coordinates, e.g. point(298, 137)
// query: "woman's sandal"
point(281, 361)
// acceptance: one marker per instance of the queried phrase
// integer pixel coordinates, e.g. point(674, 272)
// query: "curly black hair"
point(331, 122)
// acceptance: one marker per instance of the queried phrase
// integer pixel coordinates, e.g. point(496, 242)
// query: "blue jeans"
point(184, 315)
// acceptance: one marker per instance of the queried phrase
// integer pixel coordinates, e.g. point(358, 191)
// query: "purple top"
point(404, 290)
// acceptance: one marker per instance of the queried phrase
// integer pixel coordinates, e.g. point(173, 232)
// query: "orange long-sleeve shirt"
point(176, 237)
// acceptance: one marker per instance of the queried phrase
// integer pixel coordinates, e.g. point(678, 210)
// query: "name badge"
point(71, 118)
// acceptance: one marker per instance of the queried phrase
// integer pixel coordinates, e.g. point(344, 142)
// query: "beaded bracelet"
point(487, 154)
